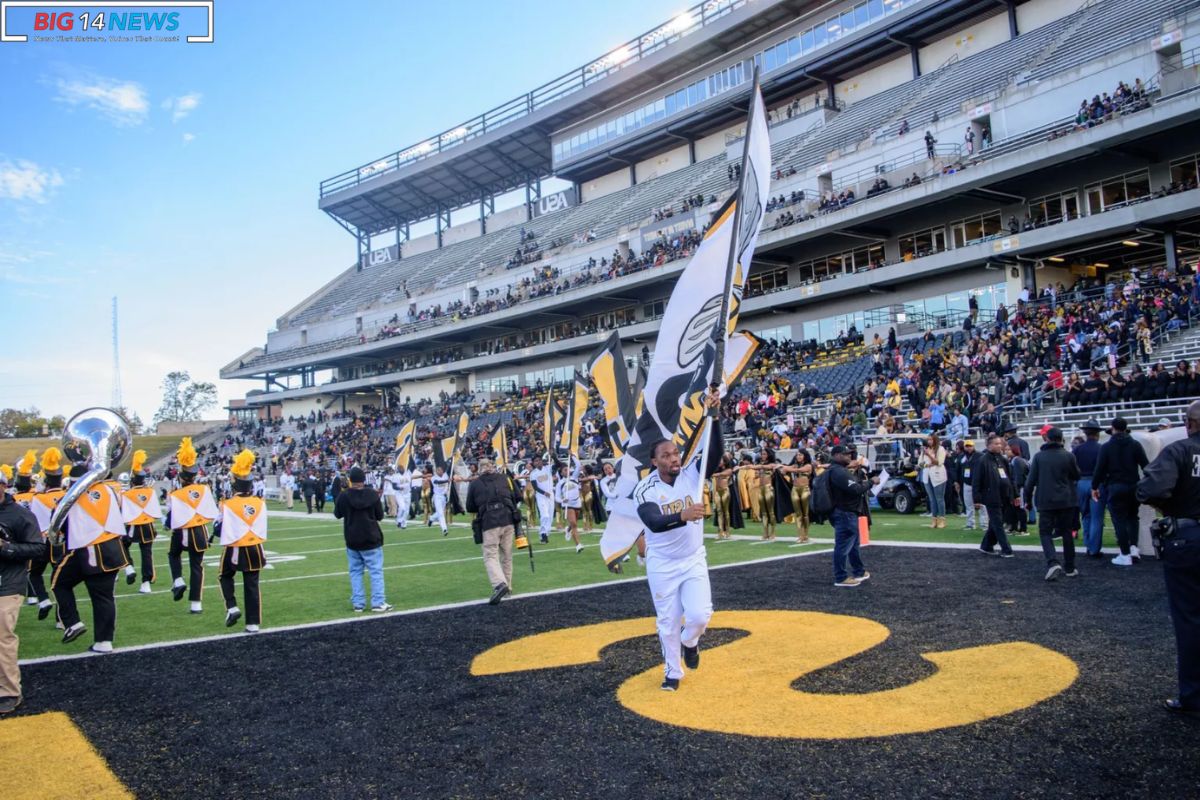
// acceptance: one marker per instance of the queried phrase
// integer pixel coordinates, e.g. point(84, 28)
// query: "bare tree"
point(184, 400)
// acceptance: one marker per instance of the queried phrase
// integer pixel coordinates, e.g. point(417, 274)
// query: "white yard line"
point(370, 616)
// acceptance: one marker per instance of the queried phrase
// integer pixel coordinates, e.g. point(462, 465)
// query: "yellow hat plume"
point(27, 463)
point(51, 460)
point(242, 463)
point(186, 453)
point(8, 472)
point(139, 460)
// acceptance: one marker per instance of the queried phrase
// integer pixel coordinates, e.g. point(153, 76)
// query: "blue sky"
point(183, 178)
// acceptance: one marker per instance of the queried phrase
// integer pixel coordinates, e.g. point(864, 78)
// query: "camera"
point(1162, 530)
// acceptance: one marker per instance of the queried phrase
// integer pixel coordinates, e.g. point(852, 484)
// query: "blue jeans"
point(372, 562)
point(1091, 514)
point(937, 498)
point(845, 544)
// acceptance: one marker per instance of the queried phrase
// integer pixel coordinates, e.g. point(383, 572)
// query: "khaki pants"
point(10, 675)
point(289, 497)
point(497, 555)
point(389, 505)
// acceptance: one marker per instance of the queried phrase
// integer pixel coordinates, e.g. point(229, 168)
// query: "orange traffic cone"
point(864, 531)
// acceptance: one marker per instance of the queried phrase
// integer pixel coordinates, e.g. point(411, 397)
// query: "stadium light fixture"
point(1131, 243)
point(1056, 259)
point(1101, 265)
point(457, 133)
point(620, 55)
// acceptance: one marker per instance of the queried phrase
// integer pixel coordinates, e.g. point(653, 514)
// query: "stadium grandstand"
point(967, 178)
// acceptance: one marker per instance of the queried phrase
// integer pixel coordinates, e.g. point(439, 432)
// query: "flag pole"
point(723, 319)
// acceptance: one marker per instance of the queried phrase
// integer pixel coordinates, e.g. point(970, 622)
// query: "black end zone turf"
point(387, 708)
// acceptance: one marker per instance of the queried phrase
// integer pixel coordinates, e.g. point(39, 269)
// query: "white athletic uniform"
point(543, 493)
point(401, 483)
point(608, 488)
point(441, 494)
point(676, 566)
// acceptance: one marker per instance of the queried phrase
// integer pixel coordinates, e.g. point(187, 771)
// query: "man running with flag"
point(676, 437)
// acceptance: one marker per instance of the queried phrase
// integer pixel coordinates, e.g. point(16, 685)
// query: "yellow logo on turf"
point(746, 686)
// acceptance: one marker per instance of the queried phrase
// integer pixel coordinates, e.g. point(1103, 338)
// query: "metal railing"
point(631, 52)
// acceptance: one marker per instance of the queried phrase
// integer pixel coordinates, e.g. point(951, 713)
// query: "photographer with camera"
point(20, 541)
point(494, 499)
point(1171, 483)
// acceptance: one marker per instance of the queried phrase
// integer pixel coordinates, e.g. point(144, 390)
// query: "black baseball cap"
point(838, 450)
point(357, 475)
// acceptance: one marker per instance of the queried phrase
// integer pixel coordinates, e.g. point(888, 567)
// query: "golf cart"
point(899, 454)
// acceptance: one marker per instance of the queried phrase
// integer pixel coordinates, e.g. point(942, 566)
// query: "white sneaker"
point(101, 647)
point(1134, 553)
point(578, 548)
point(641, 561)
point(251, 629)
point(130, 570)
point(31, 601)
point(382, 608)
point(144, 588)
point(1123, 561)
point(567, 536)
point(196, 608)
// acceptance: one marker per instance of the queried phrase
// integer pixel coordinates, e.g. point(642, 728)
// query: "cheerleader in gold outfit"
point(801, 473)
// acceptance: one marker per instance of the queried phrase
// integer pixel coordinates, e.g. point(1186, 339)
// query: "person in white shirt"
point(389, 493)
point(441, 496)
point(287, 488)
point(543, 492)
point(670, 503)
point(401, 485)
point(568, 495)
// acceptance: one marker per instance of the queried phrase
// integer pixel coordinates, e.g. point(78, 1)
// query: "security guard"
point(1172, 484)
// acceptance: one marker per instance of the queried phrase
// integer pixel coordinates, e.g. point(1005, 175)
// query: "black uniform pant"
point(1054, 523)
point(1015, 518)
point(101, 587)
point(995, 531)
point(308, 498)
point(320, 498)
point(1123, 505)
point(195, 561)
point(1181, 569)
point(37, 577)
point(951, 498)
point(253, 607)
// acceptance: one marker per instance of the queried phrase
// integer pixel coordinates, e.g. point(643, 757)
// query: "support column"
point(1169, 249)
point(915, 54)
point(1012, 20)
point(830, 101)
point(691, 151)
point(360, 240)
point(632, 174)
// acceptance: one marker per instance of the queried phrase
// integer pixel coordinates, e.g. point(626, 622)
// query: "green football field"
point(307, 578)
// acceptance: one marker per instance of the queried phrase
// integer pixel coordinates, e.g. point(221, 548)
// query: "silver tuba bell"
point(97, 438)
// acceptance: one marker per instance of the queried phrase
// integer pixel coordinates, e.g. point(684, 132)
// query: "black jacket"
point(991, 481)
point(1053, 475)
point(20, 541)
point(360, 511)
point(1171, 483)
point(1118, 461)
point(494, 498)
point(846, 489)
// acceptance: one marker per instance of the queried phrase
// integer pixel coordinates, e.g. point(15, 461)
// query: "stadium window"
point(763, 282)
point(917, 244)
point(654, 310)
point(660, 109)
point(975, 229)
point(1118, 191)
point(783, 333)
point(861, 15)
point(793, 47)
point(1185, 170)
point(1054, 208)
point(875, 9)
point(806, 41)
point(820, 35)
point(769, 60)
point(847, 23)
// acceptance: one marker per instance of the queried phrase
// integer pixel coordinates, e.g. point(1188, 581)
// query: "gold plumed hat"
point(186, 454)
point(242, 464)
point(27, 463)
point(52, 461)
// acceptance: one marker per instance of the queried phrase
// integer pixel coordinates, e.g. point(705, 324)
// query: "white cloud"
point(188, 137)
point(123, 102)
point(25, 180)
point(183, 105)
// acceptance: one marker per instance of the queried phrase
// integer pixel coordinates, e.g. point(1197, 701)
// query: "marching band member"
point(542, 480)
point(401, 481)
point(191, 509)
point(441, 497)
point(568, 496)
point(427, 495)
point(42, 506)
point(141, 510)
point(243, 529)
point(94, 553)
